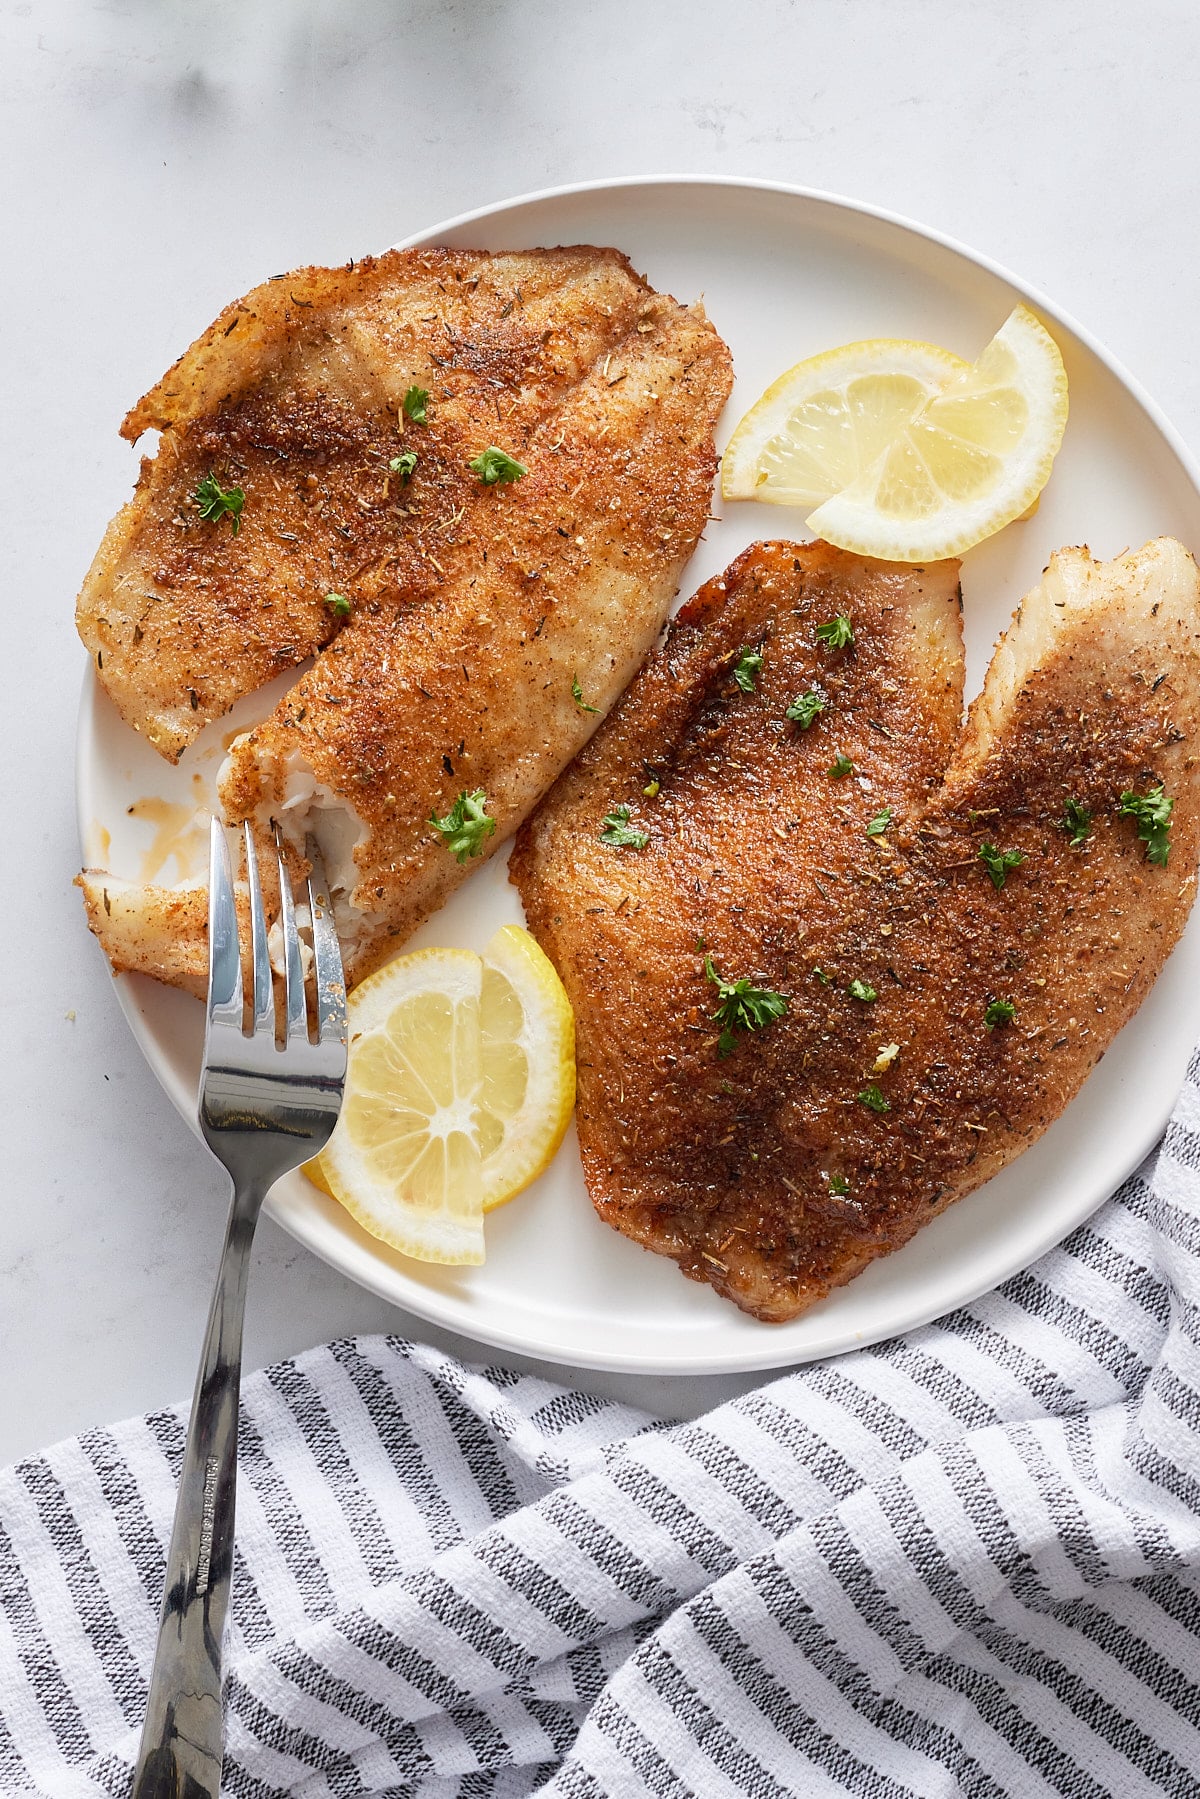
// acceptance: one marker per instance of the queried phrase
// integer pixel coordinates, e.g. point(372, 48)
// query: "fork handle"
point(183, 1737)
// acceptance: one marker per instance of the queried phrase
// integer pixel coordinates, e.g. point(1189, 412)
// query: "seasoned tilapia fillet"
point(504, 620)
point(827, 1136)
point(295, 394)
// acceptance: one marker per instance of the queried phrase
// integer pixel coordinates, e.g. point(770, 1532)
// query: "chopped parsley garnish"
point(839, 1184)
point(840, 767)
point(492, 465)
point(577, 696)
point(821, 976)
point(653, 788)
point(741, 1006)
point(998, 862)
point(216, 502)
point(746, 669)
point(879, 824)
point(1000, 1011)
point(415, 402)
point(862, 990)
point(873, 1099)
point(404, 465)
point(619, 834)
point(837, 634)
point(805, 709)
point(1153, 814)
point(337, 602)
point(1078, 820)
point(465, 825)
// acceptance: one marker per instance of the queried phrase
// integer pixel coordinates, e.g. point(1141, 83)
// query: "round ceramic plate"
point(783, 274)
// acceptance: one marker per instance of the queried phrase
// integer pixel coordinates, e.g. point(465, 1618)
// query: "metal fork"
point(264, 1109)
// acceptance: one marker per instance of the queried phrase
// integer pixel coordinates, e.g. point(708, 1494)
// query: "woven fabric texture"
point(963, 1562)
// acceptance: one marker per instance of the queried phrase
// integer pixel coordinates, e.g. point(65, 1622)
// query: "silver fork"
point(264, 1109)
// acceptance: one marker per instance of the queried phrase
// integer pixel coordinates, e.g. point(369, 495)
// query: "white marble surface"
point(159, 158)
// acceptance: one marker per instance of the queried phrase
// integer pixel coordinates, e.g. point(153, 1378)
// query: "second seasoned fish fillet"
point(936, 1023)
point(537, 601)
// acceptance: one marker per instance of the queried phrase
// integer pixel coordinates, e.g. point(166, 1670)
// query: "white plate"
point(784, 273)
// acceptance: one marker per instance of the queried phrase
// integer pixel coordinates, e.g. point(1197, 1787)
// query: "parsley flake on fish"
point(492, 465)
point(862, 990)
point(837, 634)
point(747, 669)
point(802, 711)
point(577, 696)
point(839, 1184)
point(998, 862)
point(339, 604)
point(465, 825)
point(404, 466)
point(741, 1006)
point(840, 767)
point(872, 1098)
point(215, 502)
point(879, 824)
point(1153, 814)
point(999, 1012)
point(415, 402)
point(1078, 821)
point(619, 834)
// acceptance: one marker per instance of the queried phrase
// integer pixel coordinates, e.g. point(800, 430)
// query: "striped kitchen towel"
point(964, 1562)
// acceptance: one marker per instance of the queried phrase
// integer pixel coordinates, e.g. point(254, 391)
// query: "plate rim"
point(425, 1302)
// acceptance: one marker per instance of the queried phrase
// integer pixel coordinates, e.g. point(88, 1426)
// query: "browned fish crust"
point(489, 627)
point(563, 579)
point(764, 1172)
point(295, 394)
point(159, 931)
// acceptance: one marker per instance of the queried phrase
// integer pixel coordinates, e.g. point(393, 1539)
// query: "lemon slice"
point(404, 1159)
point(460, 1086)
point(527, 1090)
point(975, 456)
point(828, 420)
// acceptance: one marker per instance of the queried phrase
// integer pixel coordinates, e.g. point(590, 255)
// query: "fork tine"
point(327, 955)
point(224, 956)
point(293, 966)
point(264, 995)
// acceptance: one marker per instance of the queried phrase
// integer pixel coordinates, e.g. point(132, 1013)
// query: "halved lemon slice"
point(828, 420)
point(460, 1086)
point(404, 1159)
point(973, 458)
point(527, 1086)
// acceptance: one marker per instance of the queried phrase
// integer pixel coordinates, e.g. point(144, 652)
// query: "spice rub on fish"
point(853, 960)
point(470, 484)
point(294, 398)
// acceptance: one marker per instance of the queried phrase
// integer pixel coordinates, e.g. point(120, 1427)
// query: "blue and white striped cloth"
point(964, 1562)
